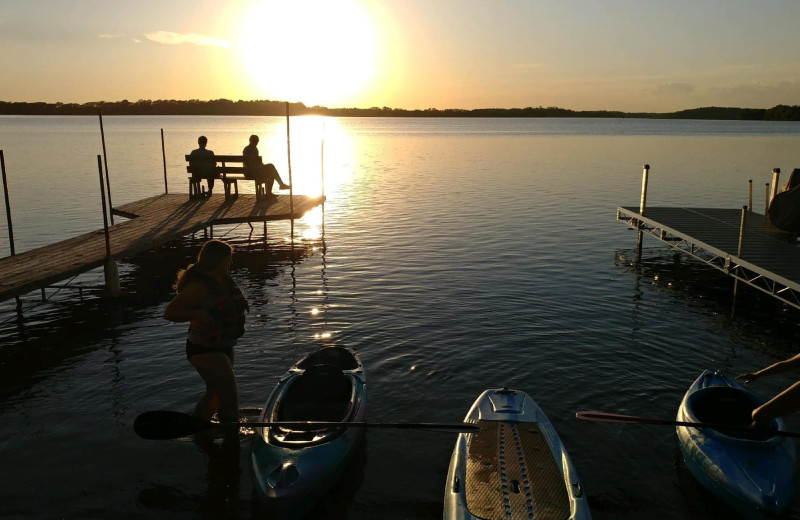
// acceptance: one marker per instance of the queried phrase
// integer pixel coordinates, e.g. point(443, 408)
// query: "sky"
point(626, 55)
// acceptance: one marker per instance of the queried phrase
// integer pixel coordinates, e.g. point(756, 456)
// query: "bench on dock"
point(229, 175)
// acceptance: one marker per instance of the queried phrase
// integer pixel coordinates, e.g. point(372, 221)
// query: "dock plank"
point(154, 221)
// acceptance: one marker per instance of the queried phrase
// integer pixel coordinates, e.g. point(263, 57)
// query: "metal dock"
point(759, 254)
point(154, 221)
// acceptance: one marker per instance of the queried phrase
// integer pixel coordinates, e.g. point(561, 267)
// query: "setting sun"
point(319, 52)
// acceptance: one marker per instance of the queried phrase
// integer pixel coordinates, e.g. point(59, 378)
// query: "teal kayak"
point(293, 468)
point(515, 468)
point(752, 471)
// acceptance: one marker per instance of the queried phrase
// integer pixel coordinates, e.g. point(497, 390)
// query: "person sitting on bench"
point(203, 164)
point(255, 169)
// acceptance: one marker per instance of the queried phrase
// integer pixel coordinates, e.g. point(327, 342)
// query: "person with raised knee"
point(255, 169)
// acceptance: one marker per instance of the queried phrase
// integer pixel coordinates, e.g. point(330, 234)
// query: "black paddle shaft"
point(165, 424)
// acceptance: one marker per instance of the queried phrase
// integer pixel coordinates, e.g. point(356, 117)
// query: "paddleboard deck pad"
point(514, 468)
point(512, 474)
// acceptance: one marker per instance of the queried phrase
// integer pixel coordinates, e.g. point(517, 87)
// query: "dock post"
point(105, 160)
point(8, 219)
point(8, 203)
point(739, 250)
point(642, 205)
point(750, 194)
point(289, 160)
point(766, 198)
point(776, 174)
point(110, 266)
point(164, 158)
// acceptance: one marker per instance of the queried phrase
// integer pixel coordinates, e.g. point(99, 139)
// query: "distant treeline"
point(226, 107)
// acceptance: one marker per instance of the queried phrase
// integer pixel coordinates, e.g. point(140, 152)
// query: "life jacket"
point(229, 307)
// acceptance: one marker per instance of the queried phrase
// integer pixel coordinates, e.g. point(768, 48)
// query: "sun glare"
point(318, 52)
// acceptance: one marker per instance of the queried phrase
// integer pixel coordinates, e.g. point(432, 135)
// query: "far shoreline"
point(225, 107)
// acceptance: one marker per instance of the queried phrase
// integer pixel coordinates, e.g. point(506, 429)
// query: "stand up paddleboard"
point(514, 468)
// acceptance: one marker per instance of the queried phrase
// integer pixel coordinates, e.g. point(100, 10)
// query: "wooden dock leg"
point(750, 194)
point(112, 277)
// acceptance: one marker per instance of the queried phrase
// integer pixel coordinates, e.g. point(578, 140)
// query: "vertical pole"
point(750, 194)
point(766, 198)
point(109, 266)
point(289, 159)
point(105, 215)
point(8, 203)
point(642, 206)
point(164, 157)
point(739, 251)
point(643, 200)
point(8, 219)
point(105, 160)
point(776, 174)
point(322, 161)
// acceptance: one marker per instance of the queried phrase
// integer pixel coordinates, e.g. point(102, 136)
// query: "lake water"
point(453, 255)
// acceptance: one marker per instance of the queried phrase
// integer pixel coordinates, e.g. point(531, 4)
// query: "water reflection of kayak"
point(294, 467)
point(751, 470)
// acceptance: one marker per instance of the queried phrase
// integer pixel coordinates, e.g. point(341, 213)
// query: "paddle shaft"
point(621, 418)
point(165, 424)
point(466, 427)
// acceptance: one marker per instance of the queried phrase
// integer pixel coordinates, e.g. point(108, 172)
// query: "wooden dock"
point(770, 259)
point(154, 221)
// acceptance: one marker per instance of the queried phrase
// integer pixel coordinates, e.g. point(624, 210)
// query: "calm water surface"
point(453, 254)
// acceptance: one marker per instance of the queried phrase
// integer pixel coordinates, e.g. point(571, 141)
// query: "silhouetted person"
point(255, 169)
point(203, 164)
point(212, 303)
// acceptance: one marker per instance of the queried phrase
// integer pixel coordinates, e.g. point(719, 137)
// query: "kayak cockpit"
point(728, 406)
point(320, 393)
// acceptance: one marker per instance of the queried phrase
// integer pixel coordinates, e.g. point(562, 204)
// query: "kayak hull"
point(752, 472)
point(293, 468)
point(515, 467)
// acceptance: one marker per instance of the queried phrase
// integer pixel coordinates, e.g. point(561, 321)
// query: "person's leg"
point(274, 176)
point(210, 184)
point(216, 369)
point(265, 177)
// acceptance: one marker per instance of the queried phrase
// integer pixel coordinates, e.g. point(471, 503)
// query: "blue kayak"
point(514, 468)
point(750, 470)
point(294, 467)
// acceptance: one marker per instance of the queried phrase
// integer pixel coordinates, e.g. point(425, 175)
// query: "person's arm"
point(784, 403)
point(186, 305)
point(777, 368)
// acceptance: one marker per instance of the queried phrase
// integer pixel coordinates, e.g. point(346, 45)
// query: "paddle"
point(620, 418)
point(165, 424)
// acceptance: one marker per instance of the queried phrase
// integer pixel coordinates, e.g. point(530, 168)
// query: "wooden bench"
point(229, 175)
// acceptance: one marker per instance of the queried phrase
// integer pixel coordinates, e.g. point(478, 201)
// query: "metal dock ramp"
point(769, 259)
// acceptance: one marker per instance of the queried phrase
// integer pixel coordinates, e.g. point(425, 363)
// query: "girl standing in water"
point(215, 308)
